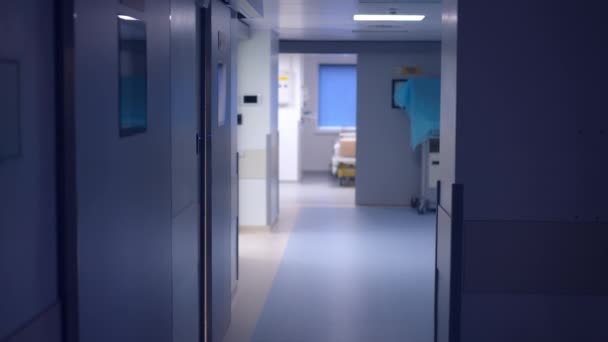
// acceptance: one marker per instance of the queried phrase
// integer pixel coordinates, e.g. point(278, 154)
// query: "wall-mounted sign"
point(410, 71)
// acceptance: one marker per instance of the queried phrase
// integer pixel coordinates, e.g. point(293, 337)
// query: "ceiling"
point(333, 19)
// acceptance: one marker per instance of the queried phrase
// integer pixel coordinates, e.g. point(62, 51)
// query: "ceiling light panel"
point(388, 17)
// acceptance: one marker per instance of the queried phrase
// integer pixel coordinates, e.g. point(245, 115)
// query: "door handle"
point(198, 143)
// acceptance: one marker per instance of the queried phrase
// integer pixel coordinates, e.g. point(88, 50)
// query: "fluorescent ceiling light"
point(388, 17)
point(126, 17)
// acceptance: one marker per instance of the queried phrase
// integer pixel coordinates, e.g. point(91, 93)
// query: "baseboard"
point(244, 229)
point(383, 205)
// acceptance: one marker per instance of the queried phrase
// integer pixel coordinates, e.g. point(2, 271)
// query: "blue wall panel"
point(527, 144)
point(46, 327)
point(124, 184)
point(28, 220)
point(185, 111)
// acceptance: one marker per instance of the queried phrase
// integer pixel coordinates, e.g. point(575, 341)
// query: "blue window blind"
point(337, 95)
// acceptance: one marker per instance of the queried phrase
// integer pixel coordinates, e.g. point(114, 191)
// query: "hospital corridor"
point(303, 171)
point(352, 273)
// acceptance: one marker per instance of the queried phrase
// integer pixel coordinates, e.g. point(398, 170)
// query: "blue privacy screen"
point(337, 95)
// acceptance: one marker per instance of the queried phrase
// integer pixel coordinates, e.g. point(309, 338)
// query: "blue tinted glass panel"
point(133, 76)
point(337, 95)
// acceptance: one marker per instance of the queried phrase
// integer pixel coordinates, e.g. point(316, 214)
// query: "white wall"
point(388, 170)
point(257, 64)
point(317, 147)
point(254, 79)
point(290, 65)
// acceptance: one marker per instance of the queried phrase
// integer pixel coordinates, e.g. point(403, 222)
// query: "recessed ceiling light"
point(380, 31)
point(388, 17)
point(126, 17)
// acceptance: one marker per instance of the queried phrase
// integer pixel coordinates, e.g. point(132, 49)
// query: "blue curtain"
point(337, 95)
point(420, 98)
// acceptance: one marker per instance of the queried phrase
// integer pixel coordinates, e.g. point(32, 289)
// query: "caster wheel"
point(422, 208)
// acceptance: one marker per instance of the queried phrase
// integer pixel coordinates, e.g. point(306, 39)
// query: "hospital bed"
point(344, 158)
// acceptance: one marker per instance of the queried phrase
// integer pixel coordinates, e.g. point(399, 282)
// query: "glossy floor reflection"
point(329, 271)
point(356, 274)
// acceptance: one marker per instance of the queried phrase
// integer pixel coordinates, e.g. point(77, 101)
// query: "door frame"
point(204, 146)
point(65, 149)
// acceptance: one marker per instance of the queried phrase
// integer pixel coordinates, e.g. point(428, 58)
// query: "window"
point(133, 76)
point(337, 96)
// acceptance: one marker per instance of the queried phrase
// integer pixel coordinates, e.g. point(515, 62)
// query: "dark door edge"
point(66, 168)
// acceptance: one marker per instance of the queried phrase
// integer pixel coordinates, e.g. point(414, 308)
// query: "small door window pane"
point(133, 76)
